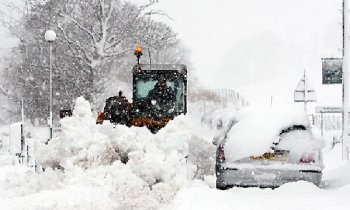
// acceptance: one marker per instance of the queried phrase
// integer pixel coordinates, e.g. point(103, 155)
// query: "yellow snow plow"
point(159, 95)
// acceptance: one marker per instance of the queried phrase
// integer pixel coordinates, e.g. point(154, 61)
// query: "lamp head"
point(50, 36)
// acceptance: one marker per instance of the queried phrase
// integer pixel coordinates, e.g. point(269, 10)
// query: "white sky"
point(259, 47)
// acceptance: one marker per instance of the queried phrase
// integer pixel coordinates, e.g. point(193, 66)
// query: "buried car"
point(267, 149)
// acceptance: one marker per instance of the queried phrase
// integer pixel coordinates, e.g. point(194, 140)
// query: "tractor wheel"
point(154, 129)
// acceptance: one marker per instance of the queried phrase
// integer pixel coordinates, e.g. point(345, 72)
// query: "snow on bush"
point(137, 168)
point(257, 130)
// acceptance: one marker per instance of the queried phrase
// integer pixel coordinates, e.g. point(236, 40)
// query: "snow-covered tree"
point(93, 51)
point(10, 102)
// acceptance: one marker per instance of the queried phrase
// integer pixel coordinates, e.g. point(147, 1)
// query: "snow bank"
point(89, 166)
point(80, 142)
point(133, 168)
point(336, 172)
point(257, 130)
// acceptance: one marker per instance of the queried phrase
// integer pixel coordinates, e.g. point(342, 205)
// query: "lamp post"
point(50, 37)
point(346, 66)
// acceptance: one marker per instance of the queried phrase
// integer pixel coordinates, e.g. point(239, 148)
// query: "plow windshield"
point(159, 94)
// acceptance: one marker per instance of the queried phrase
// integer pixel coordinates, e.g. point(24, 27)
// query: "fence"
point(224, 97)
point(331, 121)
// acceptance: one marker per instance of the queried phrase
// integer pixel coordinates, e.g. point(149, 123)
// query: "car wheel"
point(221, 186)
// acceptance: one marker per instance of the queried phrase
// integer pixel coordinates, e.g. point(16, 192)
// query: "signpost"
point(304, 92)
point(332, 70)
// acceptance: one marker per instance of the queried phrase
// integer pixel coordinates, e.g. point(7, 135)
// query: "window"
point(169, 101)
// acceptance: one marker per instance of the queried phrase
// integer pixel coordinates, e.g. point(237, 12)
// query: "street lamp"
point(50, 37)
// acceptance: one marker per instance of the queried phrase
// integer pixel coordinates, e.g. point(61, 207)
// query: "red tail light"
point(311, 157)
point(221, 153)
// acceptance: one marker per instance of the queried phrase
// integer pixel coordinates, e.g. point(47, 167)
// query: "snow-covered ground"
point(298, 195)
point(332, 194)
point(89, 166)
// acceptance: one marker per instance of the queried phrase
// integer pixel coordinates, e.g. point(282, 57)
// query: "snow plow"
point(159, 95)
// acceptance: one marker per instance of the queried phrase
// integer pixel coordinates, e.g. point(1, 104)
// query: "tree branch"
point(80, 26)
point(149, 4)
point(70, 42)
point(157, 12)
point(118, 53)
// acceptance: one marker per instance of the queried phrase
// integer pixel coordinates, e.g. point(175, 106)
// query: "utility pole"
point(150, 58)
point(50, 37)
point(343, 26)
point(346, 65)
point(271, 101)
point(51, 120)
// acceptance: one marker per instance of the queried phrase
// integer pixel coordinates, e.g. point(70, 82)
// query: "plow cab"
point(159, 95)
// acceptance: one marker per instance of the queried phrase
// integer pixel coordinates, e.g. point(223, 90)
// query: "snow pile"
point(336, 172)
point(103, 167)
point(89, 166)
point(338, 177)
point(257, 130)
point(80, 142)
point(300, 143)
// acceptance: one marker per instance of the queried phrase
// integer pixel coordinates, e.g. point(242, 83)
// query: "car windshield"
point(162, 96)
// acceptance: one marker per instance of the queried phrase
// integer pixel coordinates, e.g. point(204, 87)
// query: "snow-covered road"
point(299, 195)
